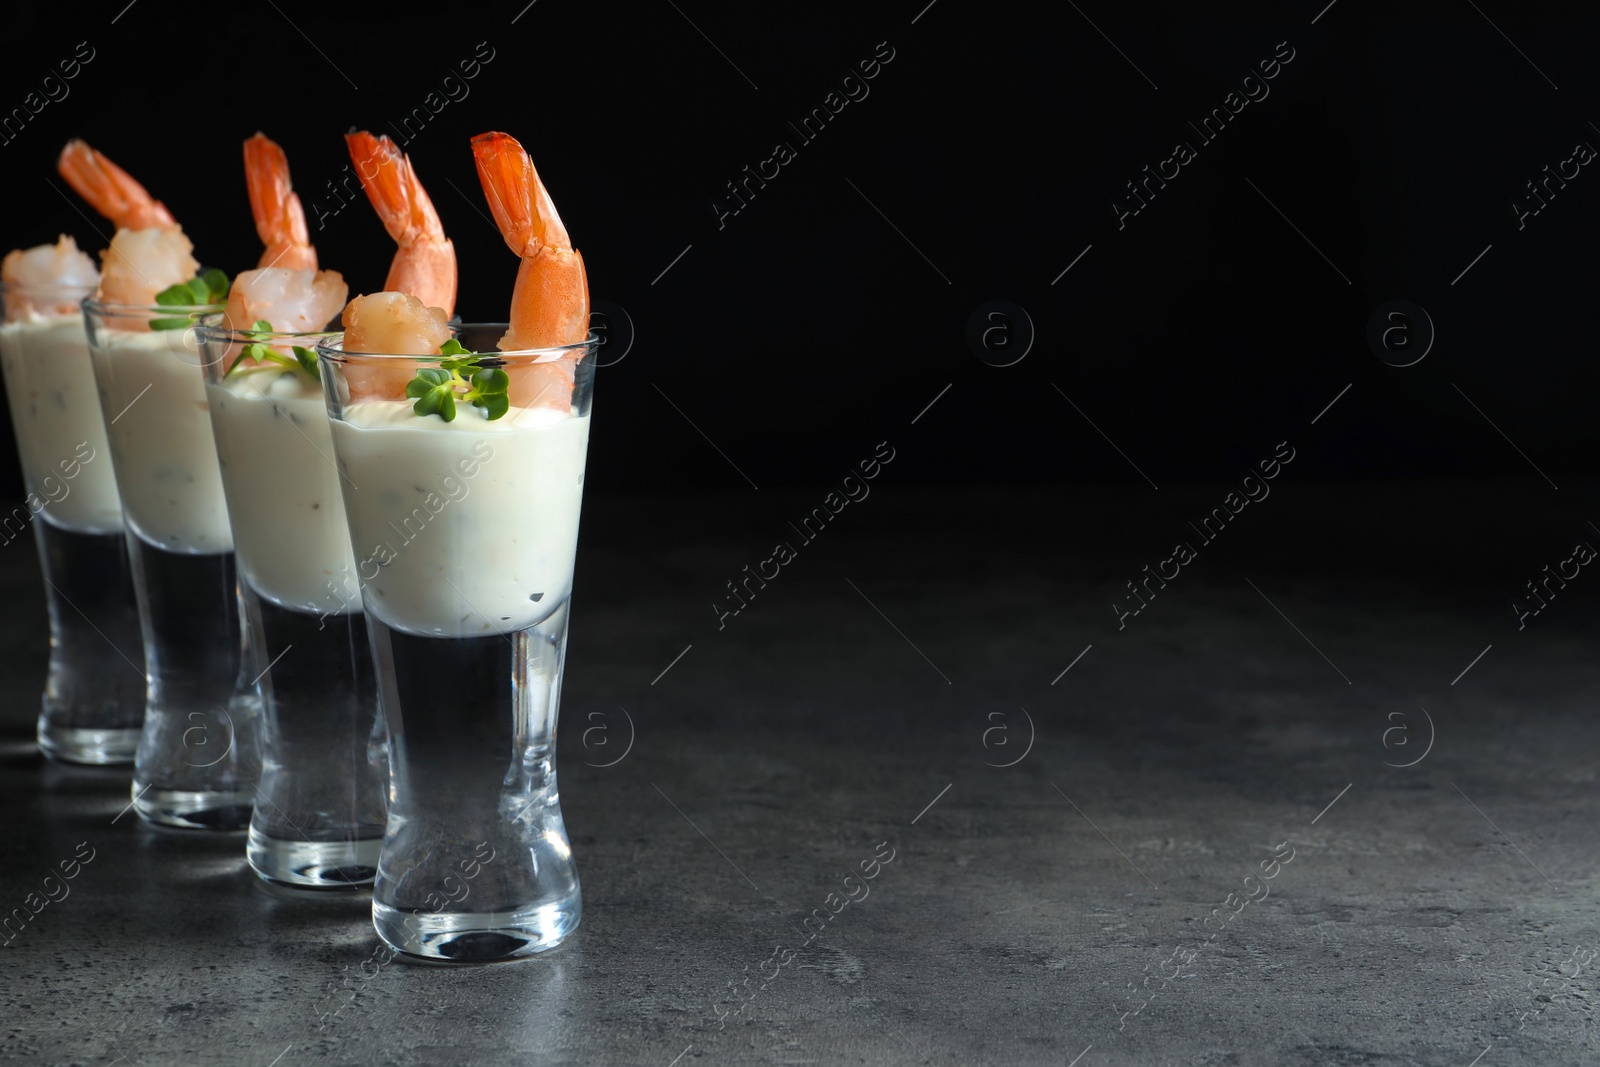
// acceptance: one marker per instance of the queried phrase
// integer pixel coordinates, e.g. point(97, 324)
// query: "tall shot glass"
point(197, 762)
point(319, 815)
point(465, 533)
point(93, 704)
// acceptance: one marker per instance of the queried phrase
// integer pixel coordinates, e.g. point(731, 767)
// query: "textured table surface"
point(1031, 913)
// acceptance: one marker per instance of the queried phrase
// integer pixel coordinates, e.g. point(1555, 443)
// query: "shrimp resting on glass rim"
point(149, 252)
point(280, 220)
point(550, 303)
point(424, 265)
point(549, 306)
point(393, 323)
point(61, 264)
point(286, 290)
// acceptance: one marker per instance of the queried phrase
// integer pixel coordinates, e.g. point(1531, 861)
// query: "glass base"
point(464, 937)
point(476, 864)
point(193, 810)
point(314, 864)
point(198, 760)
point(319, 818)
point(67, 744)
point(94, 691)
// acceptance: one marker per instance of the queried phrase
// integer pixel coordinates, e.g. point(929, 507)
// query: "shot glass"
point(197, 761)
point(319, 814)
point(464, 532)
point(93, 704)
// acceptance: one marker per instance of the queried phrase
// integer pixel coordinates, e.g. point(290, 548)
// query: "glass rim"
point(103, 307)
point(333, 348)
point(217, 333)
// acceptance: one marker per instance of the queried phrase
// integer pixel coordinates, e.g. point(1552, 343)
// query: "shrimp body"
point(550, 303)
point(110, 190)
point(141, 263)
point(396, 323)
point(280, 220)
point(293, 301)
point(286, 290)
point(149, 252)
point(61, 264)
point(425, 263)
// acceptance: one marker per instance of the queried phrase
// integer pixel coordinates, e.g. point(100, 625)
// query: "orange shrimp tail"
point(550, 305)
point(425, 264)
point(383, 175)
point(426, 270)
point(521, 205)
point(109, 189)
point(280, 219)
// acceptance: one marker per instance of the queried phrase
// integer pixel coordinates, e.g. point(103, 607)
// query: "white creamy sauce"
point(61, 434)
point(289, 530)
point(462, 528)
point(154, 398)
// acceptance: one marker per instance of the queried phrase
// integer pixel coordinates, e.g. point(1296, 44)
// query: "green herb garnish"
point(206, 288)
point(436, 389)
point(435, 393)
point(304, 359)
point(308, 361)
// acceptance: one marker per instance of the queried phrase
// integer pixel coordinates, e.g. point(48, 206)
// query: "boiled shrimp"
point(396, 323)
point(280, 220)
point(149, 252)
point(292, 301)
point(286, 290)
point(62, 264)
point(425, 263)
point(550, 303)
point(111, 190)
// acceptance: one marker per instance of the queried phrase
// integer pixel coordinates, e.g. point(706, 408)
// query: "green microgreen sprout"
point(460, 376)
point(209, 287)
point(266, 357)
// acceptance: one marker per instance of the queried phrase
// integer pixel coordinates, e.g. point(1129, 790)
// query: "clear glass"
point(198, 760)
point(465, 533)
point(93, 703)
point(319, 815)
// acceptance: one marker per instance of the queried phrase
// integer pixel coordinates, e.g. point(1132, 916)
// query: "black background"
point(825, 318)
point(807, 329)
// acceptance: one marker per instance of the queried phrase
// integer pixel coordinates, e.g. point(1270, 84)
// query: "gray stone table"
point(1071, 908)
